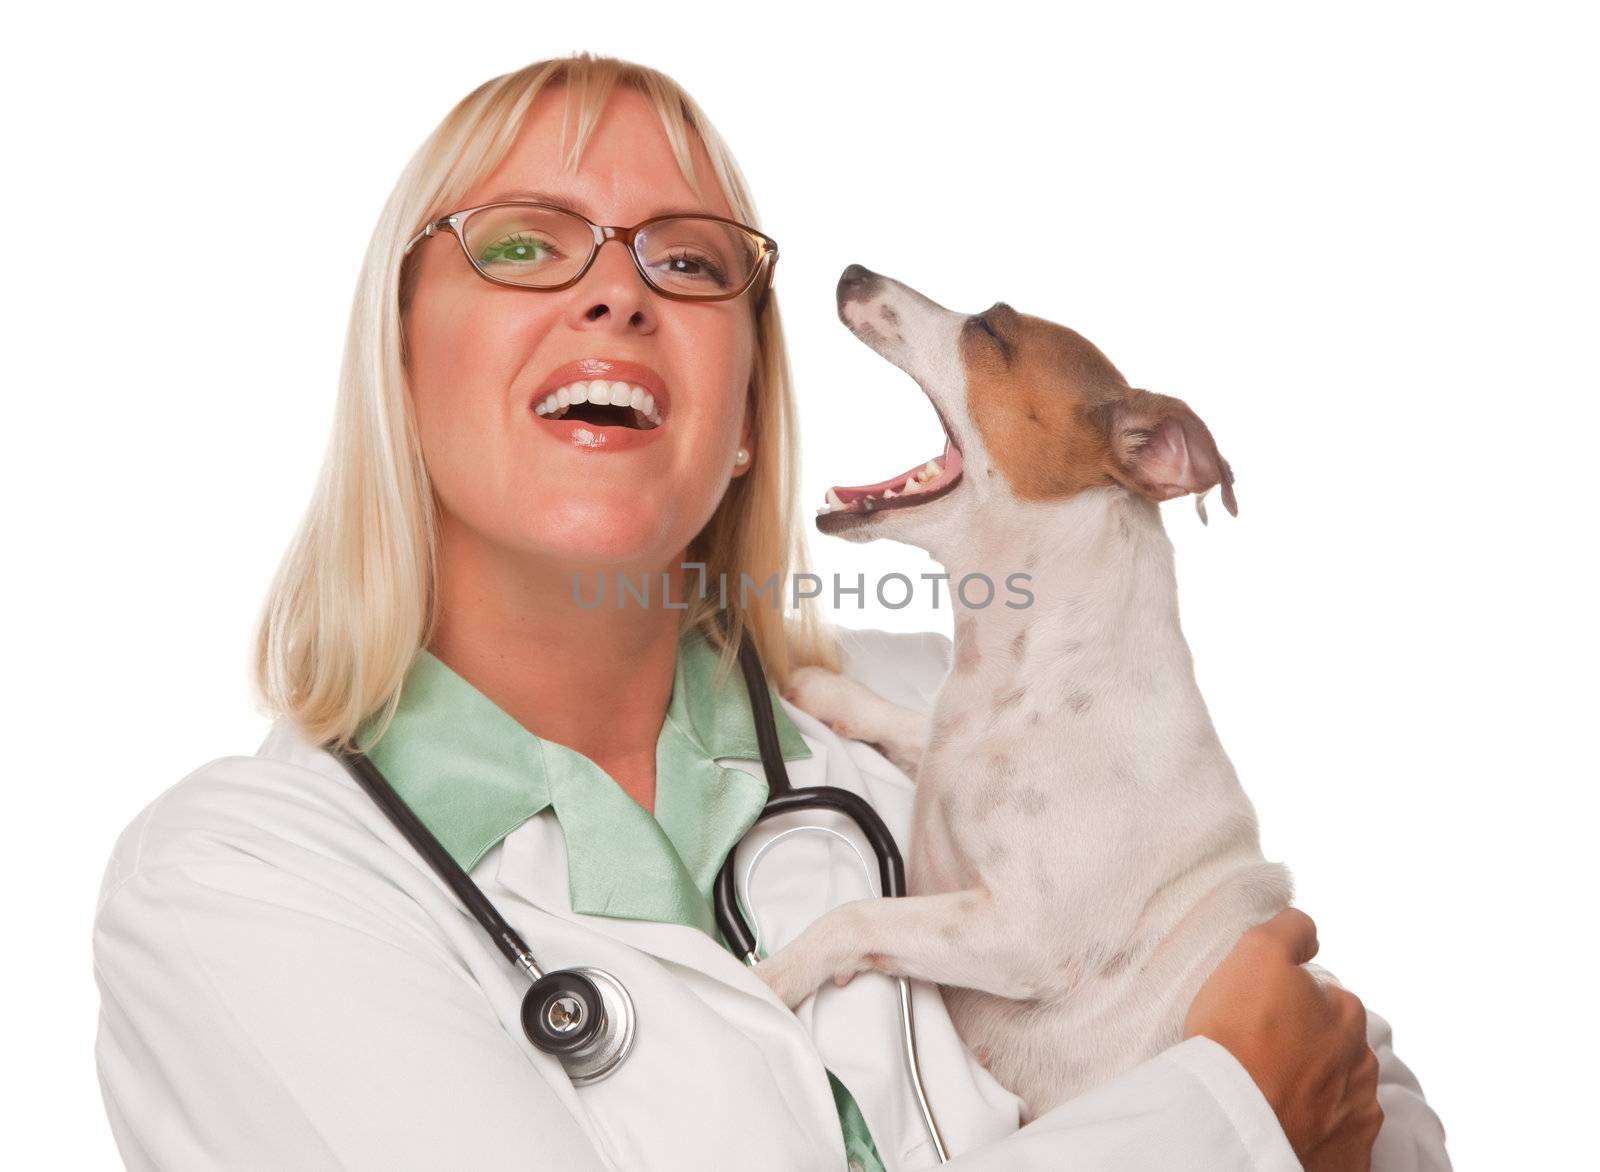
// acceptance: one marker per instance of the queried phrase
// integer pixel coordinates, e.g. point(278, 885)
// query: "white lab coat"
point(286, 985)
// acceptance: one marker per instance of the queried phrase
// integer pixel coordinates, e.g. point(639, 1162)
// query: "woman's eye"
point(518, 250)
point(693, 265)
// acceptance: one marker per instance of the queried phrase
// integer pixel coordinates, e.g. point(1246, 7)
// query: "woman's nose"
point(613, 290)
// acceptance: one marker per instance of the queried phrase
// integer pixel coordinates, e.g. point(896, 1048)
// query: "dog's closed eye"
point(983, 322)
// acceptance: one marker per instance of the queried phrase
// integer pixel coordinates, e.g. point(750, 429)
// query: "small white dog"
point(1082, 856)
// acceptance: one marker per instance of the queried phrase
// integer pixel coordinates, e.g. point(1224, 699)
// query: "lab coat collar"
point(473, 774)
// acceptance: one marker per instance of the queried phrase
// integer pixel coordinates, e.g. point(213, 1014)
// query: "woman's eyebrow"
point(572, 205)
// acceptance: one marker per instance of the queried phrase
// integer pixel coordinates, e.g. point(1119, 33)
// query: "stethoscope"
point(583, 1016)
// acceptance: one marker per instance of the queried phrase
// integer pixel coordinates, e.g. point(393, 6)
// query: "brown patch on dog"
point(1057, 417)
point(1033, 411)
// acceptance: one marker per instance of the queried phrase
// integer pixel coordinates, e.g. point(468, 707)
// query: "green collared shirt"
point(473, 774)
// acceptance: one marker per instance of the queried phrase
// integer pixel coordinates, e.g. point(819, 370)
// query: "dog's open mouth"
point(916, 486)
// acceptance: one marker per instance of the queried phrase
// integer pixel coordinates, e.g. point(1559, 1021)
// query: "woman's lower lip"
point(593, 437)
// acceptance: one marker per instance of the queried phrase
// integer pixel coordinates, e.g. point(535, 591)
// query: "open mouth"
point(601, 403)
point(917, 486)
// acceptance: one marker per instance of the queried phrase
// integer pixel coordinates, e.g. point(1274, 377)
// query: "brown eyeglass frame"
point(456, 220)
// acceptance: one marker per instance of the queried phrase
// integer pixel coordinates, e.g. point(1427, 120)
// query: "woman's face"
point(562, 496)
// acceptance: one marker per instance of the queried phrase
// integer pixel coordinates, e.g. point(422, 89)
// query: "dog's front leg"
point(952, 938)
point(854, 710)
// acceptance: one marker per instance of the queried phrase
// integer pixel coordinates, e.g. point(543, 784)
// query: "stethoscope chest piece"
point(584, 1017)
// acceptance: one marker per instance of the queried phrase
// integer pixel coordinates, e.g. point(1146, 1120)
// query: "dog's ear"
point(1162, 449)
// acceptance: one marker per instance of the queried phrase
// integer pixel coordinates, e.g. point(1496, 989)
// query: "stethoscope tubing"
point(590, 1004)
point(786, 799)
point(419, 836)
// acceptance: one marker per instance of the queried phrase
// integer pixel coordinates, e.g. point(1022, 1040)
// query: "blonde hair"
point(355, 597)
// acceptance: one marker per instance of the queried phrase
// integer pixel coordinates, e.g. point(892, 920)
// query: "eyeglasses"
point(538, 246)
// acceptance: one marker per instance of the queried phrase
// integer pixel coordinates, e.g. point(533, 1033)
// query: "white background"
point(1360, 241)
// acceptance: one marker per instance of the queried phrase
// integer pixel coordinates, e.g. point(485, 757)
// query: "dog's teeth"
point(887, 493)
point(834, 502)
point(914, 485)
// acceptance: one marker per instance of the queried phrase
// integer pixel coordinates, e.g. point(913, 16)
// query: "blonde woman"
point(533, 415)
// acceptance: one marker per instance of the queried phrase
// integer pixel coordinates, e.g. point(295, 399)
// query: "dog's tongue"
point(949, 466)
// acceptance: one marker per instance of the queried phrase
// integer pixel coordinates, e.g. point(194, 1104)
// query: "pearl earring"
point(741, 457)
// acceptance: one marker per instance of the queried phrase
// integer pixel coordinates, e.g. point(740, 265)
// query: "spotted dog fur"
point(1082, 855)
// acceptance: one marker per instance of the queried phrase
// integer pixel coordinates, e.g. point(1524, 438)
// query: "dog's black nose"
point(858, 281)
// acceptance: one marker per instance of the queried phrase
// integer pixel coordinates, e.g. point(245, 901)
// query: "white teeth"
point(916, 482)
point(617, 394)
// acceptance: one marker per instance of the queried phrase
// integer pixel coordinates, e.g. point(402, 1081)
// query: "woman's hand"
point(1302, 1039)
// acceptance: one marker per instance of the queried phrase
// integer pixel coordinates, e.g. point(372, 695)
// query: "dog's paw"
point(825, 694)
point(857, 713)
point(787, 977)
point(796, 970)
